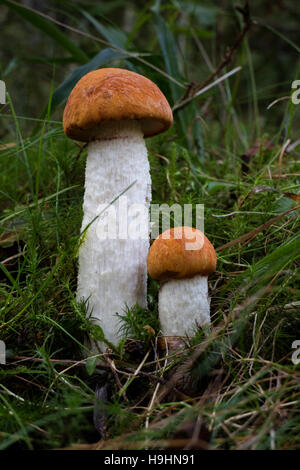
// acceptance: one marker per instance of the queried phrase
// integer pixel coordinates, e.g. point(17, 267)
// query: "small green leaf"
point(96, 332)
point(215, 186)
point(90, 365)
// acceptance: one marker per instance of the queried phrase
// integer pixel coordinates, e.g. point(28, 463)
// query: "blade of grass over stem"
point(204, 90)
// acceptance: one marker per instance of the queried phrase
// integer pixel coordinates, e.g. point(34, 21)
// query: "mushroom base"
point(183, 305)
point(112, 265)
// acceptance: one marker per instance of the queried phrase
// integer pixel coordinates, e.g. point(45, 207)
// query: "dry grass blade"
point(183, 103)
point(258, 189)
point(256, 231)
point(284, 147)
point(193, 90)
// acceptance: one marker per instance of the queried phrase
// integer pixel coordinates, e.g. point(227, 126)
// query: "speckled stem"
point(183, 305)
point(112, 272)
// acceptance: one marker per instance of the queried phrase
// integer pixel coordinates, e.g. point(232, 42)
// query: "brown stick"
point(256, 231)
point(193, 88)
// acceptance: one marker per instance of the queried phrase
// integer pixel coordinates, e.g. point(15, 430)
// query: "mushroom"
point(181, 258)
point(113, 109)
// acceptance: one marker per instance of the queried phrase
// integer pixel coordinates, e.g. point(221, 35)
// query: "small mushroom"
point(181, 259)
point(113, 110)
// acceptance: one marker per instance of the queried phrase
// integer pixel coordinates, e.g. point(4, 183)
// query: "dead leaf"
point(295, 197)
point(170, 343)
point(149, 330)
point(134, 348)
point(7, 146)
point(7, 239)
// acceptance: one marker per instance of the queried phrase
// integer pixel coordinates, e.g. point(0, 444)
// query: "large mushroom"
point(113, 110)
point(181, 259)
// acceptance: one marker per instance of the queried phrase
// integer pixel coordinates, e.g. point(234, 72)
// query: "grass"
point(236, 388)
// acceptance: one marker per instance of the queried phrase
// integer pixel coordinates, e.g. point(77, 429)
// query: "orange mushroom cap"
point(179, 253)
point(112, 94)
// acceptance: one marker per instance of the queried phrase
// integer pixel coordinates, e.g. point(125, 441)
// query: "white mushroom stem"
point(112, 271)
point(183, 305)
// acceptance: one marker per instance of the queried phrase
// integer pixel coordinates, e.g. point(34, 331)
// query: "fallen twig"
point(256, 231)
